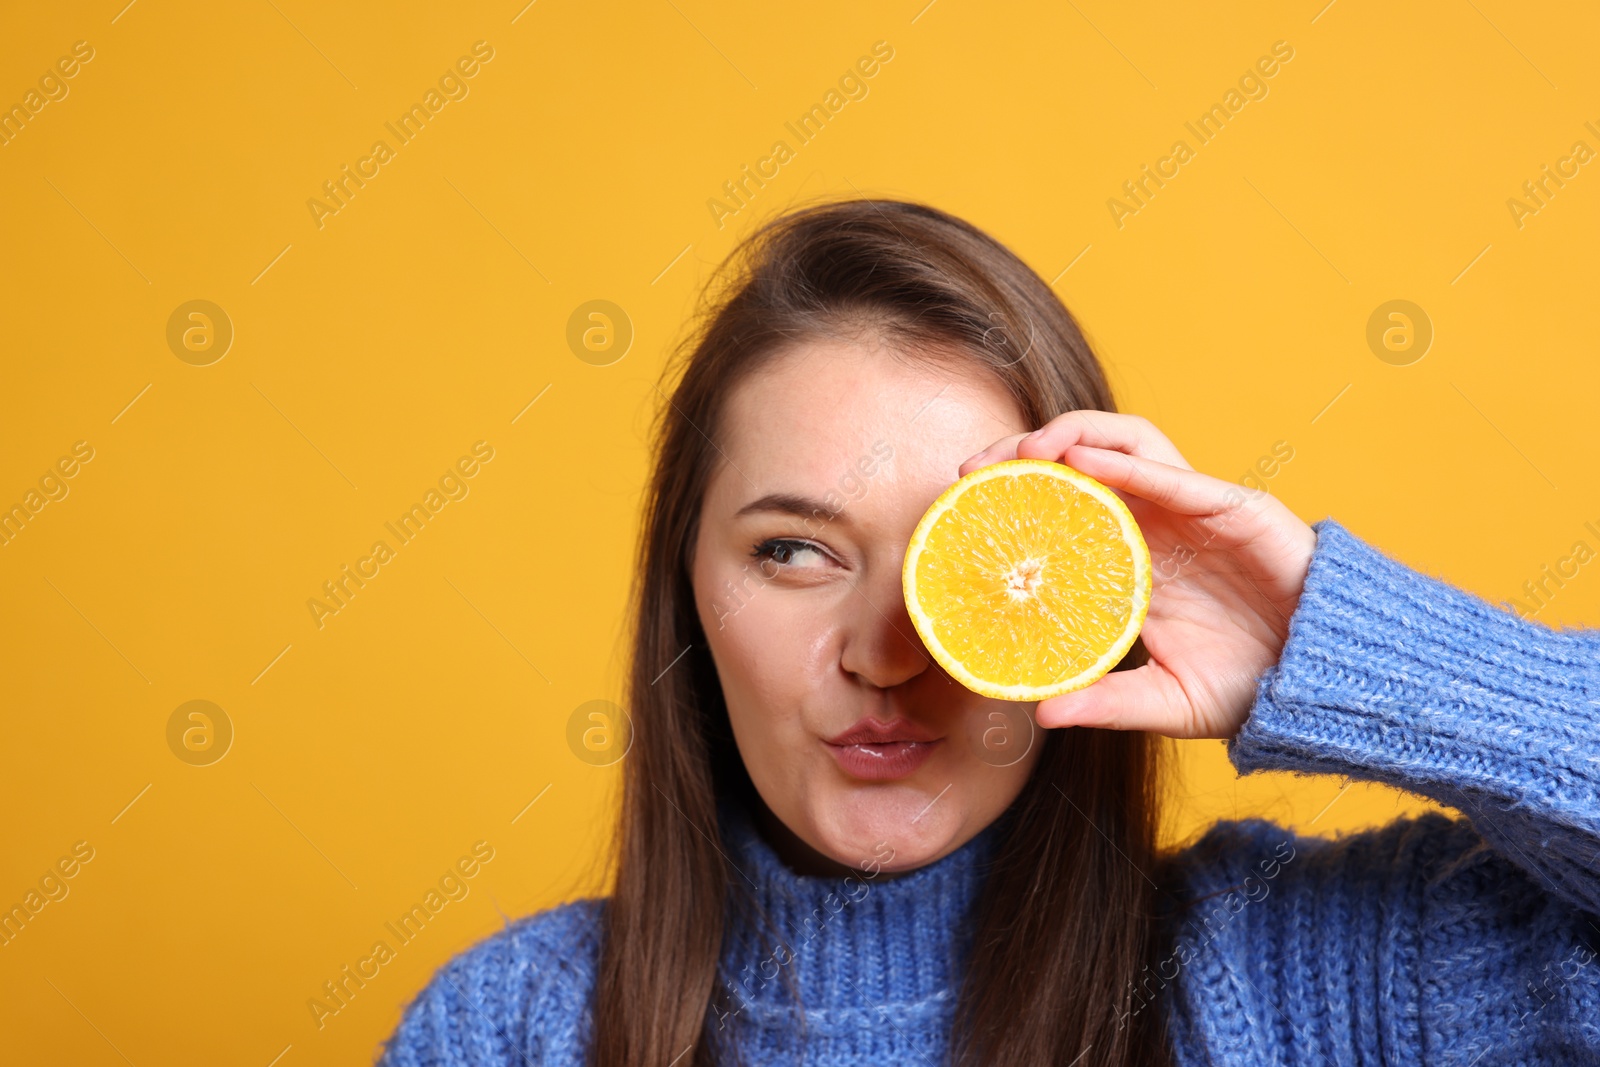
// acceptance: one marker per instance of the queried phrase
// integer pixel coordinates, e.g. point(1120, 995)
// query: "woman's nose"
point(881, 645)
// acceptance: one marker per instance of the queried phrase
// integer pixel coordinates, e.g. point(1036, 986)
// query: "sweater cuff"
point(1395, 676)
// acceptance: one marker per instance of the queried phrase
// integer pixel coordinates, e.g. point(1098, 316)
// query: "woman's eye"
point(788, 553)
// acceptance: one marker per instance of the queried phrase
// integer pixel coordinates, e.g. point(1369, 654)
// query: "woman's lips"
point(884, 761)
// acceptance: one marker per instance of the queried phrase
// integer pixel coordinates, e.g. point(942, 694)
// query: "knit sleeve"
point(1438, 939)
point(516, 998)
point(1394, 676)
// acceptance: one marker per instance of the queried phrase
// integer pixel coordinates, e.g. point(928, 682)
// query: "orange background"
point(373, 351)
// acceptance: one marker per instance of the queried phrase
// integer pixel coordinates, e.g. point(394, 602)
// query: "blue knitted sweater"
point(1468, 940)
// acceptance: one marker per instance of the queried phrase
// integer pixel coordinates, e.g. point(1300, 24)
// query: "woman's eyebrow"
point(790, 504)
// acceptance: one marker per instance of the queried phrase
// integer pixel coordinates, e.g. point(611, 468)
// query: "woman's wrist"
point(1396, 675)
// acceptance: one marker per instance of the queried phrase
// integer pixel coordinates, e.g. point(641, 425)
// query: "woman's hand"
point(1228, 567)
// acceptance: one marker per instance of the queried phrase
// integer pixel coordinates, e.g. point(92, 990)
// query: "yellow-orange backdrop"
point(1373, 156)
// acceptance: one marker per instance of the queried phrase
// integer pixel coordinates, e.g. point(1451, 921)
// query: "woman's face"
point(831, 454)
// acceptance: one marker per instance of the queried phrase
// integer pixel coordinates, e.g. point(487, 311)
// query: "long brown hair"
point(1065, 919)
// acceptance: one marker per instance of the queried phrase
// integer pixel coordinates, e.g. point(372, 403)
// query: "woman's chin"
point(891, 829)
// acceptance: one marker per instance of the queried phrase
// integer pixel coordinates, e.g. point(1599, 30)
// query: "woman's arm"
point(1429, 940)
point(1390, 675)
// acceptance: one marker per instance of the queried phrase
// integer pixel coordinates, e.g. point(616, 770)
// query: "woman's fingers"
point(1146, 698)
point(1001, 450)
point(1178, 489)
point(1182, 490)
point(1132, 434)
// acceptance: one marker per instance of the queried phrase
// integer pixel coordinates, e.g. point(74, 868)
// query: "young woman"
point(830, 853)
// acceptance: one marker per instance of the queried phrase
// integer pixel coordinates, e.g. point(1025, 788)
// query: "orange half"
point(1027, 579)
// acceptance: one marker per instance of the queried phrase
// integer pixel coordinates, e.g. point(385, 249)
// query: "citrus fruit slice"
point(1027, 579)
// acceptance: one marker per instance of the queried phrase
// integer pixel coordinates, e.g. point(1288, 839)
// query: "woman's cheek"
point(771, 646)
point(1001, 733)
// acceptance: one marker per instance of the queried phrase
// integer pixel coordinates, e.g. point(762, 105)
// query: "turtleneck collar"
point(862, 949)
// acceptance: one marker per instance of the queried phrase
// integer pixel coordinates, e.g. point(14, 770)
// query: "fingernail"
point(1034, 434)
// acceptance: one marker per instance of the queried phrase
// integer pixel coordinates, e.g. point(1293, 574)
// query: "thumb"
point(1145, 698)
